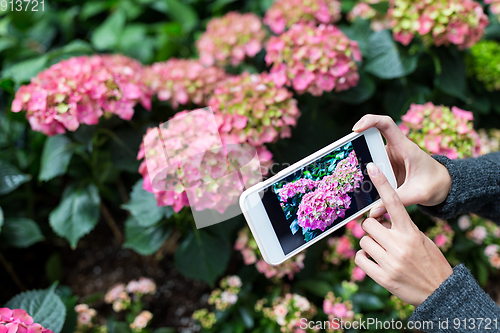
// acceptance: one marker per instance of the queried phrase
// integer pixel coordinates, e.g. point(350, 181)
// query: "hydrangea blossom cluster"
point(490, 141)
point(313, 59)
point(459, 22)
point(183, 81)
point(85, 315)
point(343, 248)
point(285, 13)
point(253, 109)
point(441, 234)
point(483, 232)
point(246, 244)
point(403, 309)
point(80, 90)
point(302, 185)
point(230, 38)
point(338, 309)
point(494, 7)
point(364, 11)
point(439, 130)
point(119, 294)
point(339, 249)
point(222, 298)
point(198, 163)
point(227, 295)
point(19, 321)
point(320, 208)
point(141, 321)
point(287, 311)
point(206, 318)
point(483, 63)
point(143, 286)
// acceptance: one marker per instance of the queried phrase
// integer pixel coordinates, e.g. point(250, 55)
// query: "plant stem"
point(111, 222)
point(11, 272)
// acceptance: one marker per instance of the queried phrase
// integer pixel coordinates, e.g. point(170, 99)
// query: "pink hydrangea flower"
point(357, 274)
point(230, 38)
point(285, 13)
point(439, 130)
point(287, 311)
point(442, 234)
point(199, 164)
point(251, 255)
point(183, 81)
point(313, 59)
point(80, 90)
point(19, 321)
point(459, 22)
point(338, 309)
point(364, 11)
point(321, 207)
point(478, 234)
point(301, 185)
point(356, 228)
point(251, 108)
point(491, 250)
point(494, 7)
point(143, 286)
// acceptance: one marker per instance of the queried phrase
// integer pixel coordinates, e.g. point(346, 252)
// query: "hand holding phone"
point(315, 196)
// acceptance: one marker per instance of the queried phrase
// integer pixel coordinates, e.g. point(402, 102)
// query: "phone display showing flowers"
point(315, 197)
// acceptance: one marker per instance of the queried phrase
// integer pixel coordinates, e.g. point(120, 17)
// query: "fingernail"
point(377, 212)
point(358, 125)
point(373, 170)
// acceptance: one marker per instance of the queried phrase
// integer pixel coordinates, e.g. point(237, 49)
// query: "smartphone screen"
point(319, 196)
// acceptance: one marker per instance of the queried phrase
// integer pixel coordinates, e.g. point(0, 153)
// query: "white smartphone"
point(312, 198)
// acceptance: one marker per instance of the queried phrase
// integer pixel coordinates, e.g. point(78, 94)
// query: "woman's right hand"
point(421, 179)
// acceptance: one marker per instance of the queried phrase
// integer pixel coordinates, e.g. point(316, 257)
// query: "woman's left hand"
point(406, 262)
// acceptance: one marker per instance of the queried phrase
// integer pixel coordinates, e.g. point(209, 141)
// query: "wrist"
point(442, 185)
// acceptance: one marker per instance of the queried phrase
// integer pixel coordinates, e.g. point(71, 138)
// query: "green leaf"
point(20, 232)
point(451, 80)
point(145, 240)
point(77, 214)
point(56, 155)
point(11, 178)
point(118, 327)
point(385, 59)
point(107, 35)
point(1, 219)
point(361, 92)
point(44, 306)
point(182, 13)
point(367, 301)
point(92, 8)
point(359, 31)
point(202, 256)
point(23, 71)
point(143, 206)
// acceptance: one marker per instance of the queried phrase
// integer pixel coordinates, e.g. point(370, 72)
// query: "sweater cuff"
point(475, 185)
point(448, 208)
point(459, 297)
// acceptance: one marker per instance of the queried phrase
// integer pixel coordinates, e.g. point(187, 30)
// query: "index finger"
point(384, 124)
point(395, 208)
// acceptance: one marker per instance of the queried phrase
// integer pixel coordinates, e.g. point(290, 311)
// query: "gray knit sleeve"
point(475, 188)
point(459, 297)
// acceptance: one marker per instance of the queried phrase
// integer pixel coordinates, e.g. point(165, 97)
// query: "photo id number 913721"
point(22, 5)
